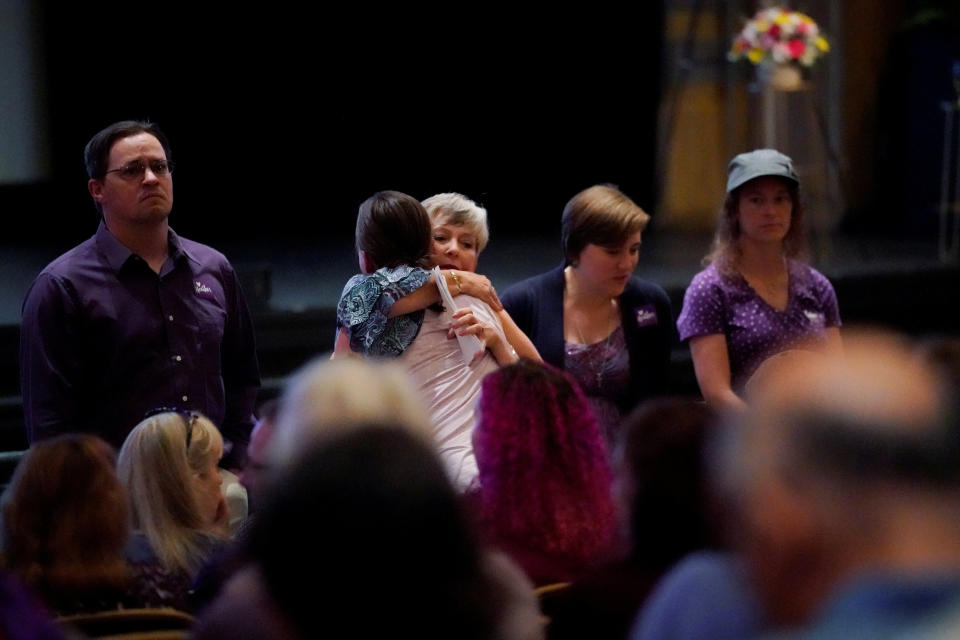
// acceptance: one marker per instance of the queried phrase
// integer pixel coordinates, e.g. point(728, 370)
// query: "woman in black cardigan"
point(591, 317)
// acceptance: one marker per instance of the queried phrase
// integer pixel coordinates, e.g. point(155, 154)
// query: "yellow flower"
point(822, 44)
point(755, 55)
point(782, 19)
point(762, 25)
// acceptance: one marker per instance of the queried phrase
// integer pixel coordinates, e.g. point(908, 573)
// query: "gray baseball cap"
point(760, 162)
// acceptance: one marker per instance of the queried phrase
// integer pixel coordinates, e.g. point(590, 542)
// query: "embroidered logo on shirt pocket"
point(816, 318)
point(646, 315)
point(202, 289)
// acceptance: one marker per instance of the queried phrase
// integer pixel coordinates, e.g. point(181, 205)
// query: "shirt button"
point(170, 318)
point(184, 398)
point(177, 358)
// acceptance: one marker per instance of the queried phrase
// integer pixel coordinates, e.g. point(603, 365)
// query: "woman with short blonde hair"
point(458, 235)
point(460, 211)
point(168, 464)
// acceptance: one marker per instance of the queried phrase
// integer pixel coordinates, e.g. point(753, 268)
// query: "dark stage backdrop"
point(282, 120)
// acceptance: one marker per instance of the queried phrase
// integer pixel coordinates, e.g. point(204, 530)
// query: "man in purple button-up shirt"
point(136, 317)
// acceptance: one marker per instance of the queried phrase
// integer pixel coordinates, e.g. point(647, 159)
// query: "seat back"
point(131, 624)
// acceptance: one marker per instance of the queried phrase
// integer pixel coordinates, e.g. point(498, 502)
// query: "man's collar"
point(116, 254)
point(177, 247)
point(112, 250)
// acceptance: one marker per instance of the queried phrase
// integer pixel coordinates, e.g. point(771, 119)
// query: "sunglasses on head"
point(189, 418)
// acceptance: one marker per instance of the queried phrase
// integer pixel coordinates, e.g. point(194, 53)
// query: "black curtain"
point(283, 120)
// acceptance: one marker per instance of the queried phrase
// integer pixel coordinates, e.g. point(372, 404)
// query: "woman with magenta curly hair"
point(544, 493)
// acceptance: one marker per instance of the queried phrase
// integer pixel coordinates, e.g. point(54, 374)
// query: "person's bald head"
point(842, 463)
point(874, 412)
point(877, 377)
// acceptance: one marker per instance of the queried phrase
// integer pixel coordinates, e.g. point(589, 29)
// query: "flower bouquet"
point(777, 40)
point(780, 35)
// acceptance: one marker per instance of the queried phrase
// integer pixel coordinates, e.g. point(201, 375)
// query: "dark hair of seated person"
point(66, 523)
point(365, 532)
point(663, 489)
point(664, 483)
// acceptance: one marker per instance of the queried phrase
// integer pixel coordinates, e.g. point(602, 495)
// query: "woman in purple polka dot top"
point(756, 298)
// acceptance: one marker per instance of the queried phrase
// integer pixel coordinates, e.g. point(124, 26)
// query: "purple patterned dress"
point(603, 371)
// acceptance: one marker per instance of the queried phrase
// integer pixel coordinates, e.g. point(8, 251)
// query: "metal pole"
point(945, 207)
point(769, 115)
point(954, 248)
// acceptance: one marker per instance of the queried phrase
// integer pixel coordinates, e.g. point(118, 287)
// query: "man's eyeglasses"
point(135, 170)
point(189, 418)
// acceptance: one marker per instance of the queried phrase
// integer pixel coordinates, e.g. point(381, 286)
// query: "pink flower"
point(797, 47)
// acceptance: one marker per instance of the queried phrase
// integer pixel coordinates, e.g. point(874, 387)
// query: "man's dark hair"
point(927, 452)
point(97, 152)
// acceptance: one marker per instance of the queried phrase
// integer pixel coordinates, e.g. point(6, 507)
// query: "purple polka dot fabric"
point(714, 303)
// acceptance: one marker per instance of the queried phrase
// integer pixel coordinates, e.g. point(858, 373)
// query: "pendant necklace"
point(602, 344)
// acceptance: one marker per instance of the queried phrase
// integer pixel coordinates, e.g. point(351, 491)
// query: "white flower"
point(781, 53)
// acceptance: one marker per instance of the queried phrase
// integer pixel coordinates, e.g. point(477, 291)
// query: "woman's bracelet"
point(456, 280)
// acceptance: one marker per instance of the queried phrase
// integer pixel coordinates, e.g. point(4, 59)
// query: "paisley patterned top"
point(364, 308)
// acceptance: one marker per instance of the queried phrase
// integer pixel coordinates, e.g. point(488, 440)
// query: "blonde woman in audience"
point(168, 464)
point(326, 396)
